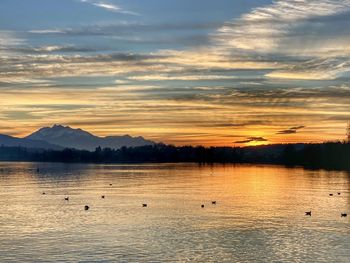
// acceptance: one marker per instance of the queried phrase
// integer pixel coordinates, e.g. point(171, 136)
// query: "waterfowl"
point(66, 198)
point(330, 194)
point(86, 208)
point(213, 202)
point(102, 196)
point(308, 213)
point(202, 206)
point(344, 215)
point(144, 205)
point(44, 193)
point(110, 184)
point(339, 193)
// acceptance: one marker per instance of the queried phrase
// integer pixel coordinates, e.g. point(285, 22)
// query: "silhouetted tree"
point(290, 155)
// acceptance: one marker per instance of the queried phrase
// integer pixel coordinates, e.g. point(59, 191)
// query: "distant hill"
point(10, 141)
point(68, 137)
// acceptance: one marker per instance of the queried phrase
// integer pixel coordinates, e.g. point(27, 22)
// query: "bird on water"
point(308, 213)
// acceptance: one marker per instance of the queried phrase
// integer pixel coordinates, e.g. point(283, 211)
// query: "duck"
point(103, 197)
point(66, 198)
point(308, 213)
point(44, 193)
point(202, 206)
point(144, 205)
point(86, 208)
point(213, 202)
point(344, 214)
point(330, 194)
point(339, 193)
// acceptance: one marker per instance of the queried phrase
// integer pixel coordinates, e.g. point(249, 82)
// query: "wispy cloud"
point(274, 23)
point(291, 130)
point(47, 31)
point(10, 38)
point(124, 27)
point(108, 6)
point(46, 49)
point(252, 139)
point(275, 38)
point(312, 29)
point(314, 69)
point(181, 77)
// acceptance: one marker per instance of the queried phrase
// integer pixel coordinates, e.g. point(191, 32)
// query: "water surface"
point(259, 215)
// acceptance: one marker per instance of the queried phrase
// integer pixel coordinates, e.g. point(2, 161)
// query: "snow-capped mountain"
point(66, 136)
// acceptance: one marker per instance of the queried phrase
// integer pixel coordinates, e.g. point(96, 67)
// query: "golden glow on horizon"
point(110, 111)
point(251, 83)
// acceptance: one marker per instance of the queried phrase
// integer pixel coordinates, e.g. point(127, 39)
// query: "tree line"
point(330, 155)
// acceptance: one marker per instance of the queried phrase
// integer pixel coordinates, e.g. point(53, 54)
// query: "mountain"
point(66, 136)
point(10, 141)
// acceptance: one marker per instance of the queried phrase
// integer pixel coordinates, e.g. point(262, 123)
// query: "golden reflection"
point(262, 205)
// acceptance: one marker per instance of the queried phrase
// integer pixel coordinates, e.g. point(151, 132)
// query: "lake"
point(259, 213)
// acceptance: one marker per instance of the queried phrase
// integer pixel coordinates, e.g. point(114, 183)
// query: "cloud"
point(185, 34)
point(108, 6)
point(315, 30)
point(265, 28)
point(10, 38)
point(165, 65)
point(182, 77)
point(47, 31)
point(236, 125)
point(314, 69)
point(124, 28)
point(252, 139)
point(47, 49)
point(19, 115)
point(291, 130)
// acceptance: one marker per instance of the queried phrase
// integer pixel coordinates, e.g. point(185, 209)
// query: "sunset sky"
point(207, 72)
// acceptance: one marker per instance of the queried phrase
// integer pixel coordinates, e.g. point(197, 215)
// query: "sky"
point(199, 72)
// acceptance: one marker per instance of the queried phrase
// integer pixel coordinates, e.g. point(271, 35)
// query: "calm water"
point(259, 215)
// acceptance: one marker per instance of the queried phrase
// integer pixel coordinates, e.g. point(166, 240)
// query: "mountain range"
point(58, 137)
